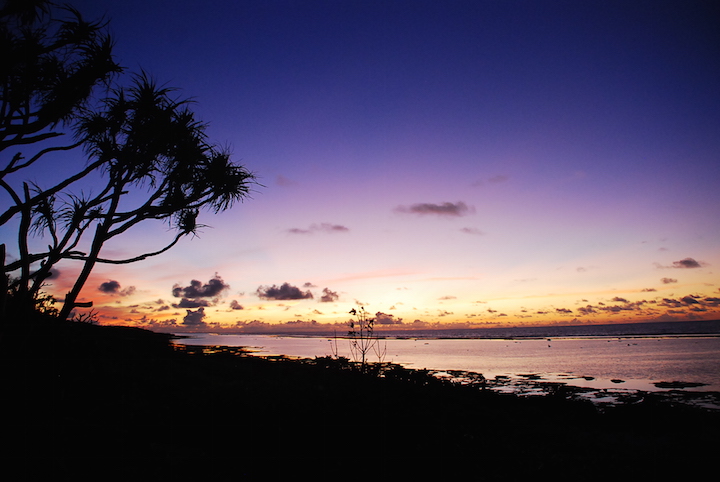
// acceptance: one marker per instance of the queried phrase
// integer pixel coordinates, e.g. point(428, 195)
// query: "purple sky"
point(442, 161)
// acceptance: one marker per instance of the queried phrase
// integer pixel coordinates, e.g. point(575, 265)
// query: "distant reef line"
point(637, 329)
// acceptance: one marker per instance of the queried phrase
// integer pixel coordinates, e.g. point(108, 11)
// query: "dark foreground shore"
point(121, 402)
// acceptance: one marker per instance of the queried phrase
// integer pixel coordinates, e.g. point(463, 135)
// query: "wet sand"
point(101, 400)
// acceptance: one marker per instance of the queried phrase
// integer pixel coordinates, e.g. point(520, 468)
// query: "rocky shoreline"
point(533, 384)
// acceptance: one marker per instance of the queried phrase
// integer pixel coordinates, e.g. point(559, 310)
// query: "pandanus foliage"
point(157, 165)
point(148, 156)
point(51, 61)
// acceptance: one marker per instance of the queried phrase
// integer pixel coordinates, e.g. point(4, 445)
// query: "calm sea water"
point(601, 357)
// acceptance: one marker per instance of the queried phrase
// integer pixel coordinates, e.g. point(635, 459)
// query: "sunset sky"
point(480, 162)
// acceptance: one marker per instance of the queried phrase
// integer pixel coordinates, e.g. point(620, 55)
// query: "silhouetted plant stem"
point(362, 337)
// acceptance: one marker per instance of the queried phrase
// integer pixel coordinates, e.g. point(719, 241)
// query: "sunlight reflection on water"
point(598, 363)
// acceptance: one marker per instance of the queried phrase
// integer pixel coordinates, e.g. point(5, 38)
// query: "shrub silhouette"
point(363, 338)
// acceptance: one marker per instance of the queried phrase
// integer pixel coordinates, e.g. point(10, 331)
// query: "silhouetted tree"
point(48, 71)
point(150, 146)
point(150, 153)
point(51, 60)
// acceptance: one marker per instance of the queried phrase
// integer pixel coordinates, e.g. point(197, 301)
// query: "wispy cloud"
point(323, 228)
point(500, 178)
point(473, 231)
point(443, 209)
point(281, 180)
point(368, 275)
point(687, 263)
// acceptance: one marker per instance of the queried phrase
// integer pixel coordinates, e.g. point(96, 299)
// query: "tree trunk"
point(71, 297)
point(23, 301)
point(101, 233)
point(3, 289)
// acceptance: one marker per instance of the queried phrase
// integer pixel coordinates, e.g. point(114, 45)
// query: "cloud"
point(473, 231)
point(188, 303)
point(385, 319)
point(689, 300)
point(611, 309)
point(686, 263)
point(695, 302)
point(281, 180)
point(112, 287)
point(670, 303)
point(195, 318)
point(444, 209)
point(234, 305)
point(668, 281)
point(329, 296)
point(498, 179)
point(197, 294)
point(211, 289)
point(323, 228)
point(283, 292)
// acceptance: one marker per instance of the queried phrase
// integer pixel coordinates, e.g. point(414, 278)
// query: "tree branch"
point(10, 212)
point(12, 168)
point(135, 259)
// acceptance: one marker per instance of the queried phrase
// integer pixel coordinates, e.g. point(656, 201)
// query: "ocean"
point(608, 358)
